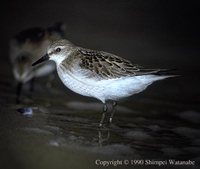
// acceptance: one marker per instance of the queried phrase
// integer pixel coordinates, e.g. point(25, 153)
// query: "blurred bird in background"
point(28, 46)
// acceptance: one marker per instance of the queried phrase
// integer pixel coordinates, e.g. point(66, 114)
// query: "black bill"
point(42, 59)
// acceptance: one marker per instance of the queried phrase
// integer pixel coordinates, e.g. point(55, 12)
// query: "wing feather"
point(106, 65)
point(102, 65)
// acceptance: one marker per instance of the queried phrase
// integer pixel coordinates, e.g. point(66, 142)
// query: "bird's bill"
point(42, 59)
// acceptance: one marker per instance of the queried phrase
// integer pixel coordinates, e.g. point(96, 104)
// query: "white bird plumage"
point(107, 89)
point(99, 74)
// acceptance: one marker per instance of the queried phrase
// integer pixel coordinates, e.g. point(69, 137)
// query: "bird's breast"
point(77, 84)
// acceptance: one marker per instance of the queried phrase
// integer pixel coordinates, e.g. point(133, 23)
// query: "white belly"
point(112, 89)
point(79, 85)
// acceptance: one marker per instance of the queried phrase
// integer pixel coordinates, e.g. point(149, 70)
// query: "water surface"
point(59, 129)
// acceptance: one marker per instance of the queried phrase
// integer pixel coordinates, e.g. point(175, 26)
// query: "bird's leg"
point(114, 104)
point(101, 139)
point(105, 108)
point(18, 92)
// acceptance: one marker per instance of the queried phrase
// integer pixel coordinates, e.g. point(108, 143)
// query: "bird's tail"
point(166, 73)
point(163, 72)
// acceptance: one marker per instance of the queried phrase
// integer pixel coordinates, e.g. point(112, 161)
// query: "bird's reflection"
point(68, 128)
point(60, 128)
point(103, 136)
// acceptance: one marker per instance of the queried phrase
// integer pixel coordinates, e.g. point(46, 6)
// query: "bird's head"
point(57, 51)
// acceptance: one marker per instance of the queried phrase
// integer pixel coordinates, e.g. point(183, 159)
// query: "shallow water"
point(59, 129)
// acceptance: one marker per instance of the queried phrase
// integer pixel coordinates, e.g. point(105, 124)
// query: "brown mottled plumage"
point(104, 65)
point(99, 74)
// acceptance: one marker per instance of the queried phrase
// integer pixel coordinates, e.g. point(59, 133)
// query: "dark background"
point(155, 34)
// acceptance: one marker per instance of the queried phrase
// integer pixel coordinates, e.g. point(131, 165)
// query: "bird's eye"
point(58, 49)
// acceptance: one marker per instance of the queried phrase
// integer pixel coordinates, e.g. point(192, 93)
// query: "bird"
point(28, 45)
point(99, 74)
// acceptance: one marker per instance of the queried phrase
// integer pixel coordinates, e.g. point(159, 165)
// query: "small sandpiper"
point(29, 45)
point(99, 74)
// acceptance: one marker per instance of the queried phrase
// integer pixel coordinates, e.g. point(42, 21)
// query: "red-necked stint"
point(99, 74)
